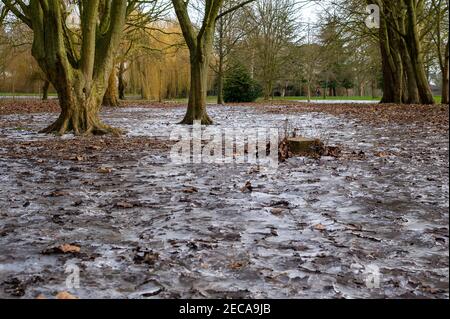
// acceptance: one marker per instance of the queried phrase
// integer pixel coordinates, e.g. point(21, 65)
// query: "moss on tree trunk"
point(78, 67)
point(111, 97)
point(79, 109)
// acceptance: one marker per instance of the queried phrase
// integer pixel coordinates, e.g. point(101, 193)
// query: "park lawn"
point(437, 98)
point(213, 99)
point(8, 94)
point(344, 98)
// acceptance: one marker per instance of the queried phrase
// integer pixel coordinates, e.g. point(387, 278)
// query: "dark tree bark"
point(445, 78)
point(200, 44)
point(111, 97)
point(391, 63)
point(197, 95)
point(415, 52)
point(80, 77)
point(122, 83)
point(45, 88)
point(220, 75)
point(405, 79)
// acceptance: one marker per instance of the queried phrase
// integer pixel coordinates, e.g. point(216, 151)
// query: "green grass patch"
point(315, 98)
point(8, 94)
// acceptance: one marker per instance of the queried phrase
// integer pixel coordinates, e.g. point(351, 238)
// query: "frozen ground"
point(311, 229)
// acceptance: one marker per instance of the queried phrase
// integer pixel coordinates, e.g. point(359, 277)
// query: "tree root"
point(61, 127)
point(205, 120)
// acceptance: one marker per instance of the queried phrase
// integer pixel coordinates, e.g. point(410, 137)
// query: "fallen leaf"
point(104, 170)
point(236, 265)
point(382, 154)
point(146, 257)
point(65, 295)
point(67, 248)
point(277, 211)
point(62, 249)
point(190, 190)
point(320, 227)
point(124, 205)
point(247, 187)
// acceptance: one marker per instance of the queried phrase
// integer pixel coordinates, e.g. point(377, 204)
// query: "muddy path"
point(148, 228)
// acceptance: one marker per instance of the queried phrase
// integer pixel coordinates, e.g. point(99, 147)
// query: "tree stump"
point(302, 146)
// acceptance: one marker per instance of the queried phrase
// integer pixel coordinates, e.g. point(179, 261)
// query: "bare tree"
point(77, 58)
point(200, 43)
point(274, 25)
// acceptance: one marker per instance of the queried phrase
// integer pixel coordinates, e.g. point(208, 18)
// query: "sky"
point(309, 13)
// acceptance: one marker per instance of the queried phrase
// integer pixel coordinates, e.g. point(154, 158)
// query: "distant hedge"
point(239, 86)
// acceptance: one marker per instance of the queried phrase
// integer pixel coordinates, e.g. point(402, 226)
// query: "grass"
point(437, 98)
point(314, 98)
point(8, 94)
point(209, 99)
point(213, 99)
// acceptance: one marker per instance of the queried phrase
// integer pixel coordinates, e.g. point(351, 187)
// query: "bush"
point(239, 86)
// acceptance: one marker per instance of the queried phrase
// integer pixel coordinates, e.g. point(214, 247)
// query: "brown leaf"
point(190, 190)
point(62, 249)
point(124, 205)
point(320, 227)
point(277, 211)
point(67, 248)
point(382, 154)
point(104, 170)
point(236, 265)
point(247, 188)
point(65, 295)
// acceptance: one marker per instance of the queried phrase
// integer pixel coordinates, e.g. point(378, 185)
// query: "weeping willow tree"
point(158, 65)
point(199, 40)
point(74, 43)
point(141, 24)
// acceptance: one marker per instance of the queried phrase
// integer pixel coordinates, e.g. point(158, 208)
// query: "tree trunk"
point(411, 92)
point(45, 88)
point(415, 52)
point(267, 89)
point(111, 97)
point(122, 84)
point(198, 90)
point(391, 64)
point(445, 78)
point(79, 78)
point(220, 74)
point(79, 109)
point(309, 91)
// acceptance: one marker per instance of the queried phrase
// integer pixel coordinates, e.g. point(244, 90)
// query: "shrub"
point(239, 86)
